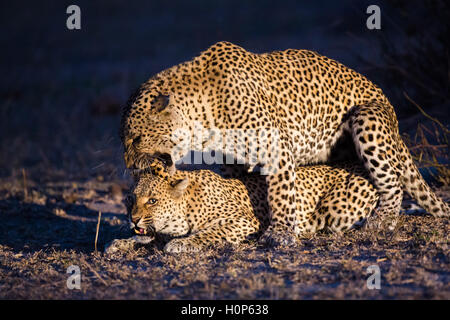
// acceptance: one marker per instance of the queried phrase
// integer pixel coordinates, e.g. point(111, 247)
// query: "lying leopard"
point(310, 101)
point(200, 208)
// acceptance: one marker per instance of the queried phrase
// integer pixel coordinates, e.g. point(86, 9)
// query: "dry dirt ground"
point(48, 227)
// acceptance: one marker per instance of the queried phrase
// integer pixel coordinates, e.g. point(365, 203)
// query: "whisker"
point(98, 166)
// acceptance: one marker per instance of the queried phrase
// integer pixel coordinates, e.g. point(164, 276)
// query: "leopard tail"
point(417, 188)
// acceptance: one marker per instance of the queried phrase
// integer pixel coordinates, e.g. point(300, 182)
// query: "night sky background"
point(61, 91)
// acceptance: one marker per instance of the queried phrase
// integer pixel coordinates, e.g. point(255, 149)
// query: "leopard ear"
point(160, 103)
point(179, 187)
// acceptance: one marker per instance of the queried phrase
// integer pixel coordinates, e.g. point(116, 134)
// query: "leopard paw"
point(118, 246)
point(181, 245)
point(279, 237)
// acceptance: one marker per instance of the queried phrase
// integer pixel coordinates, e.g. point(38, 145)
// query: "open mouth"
point(148, 231)
point(140, 231)
point(143, 161)
point(166, 159)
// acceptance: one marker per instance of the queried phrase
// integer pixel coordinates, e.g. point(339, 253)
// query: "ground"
point(54, 226)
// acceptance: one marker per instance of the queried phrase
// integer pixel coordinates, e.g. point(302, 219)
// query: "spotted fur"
point(210, 209)
point(309, 99)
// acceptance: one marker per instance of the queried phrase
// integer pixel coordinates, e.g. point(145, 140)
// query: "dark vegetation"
point(415, 72)
point(61, 160)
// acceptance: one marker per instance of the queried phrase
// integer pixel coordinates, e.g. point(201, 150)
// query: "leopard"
point(197, 209)
point(304, 104)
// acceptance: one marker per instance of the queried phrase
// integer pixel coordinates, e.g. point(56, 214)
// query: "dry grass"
point(430, 147)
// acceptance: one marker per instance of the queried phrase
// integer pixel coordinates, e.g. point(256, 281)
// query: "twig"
point(425, 114)
point(94, 272)
point(25, 189)
point(419, 146)
point(98, 227)
point(429, 164)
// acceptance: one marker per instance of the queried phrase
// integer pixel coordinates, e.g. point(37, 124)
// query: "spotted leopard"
point(312, 102)
point(200, 208)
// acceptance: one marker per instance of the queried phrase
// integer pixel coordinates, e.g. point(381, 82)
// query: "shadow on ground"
point(30, 227)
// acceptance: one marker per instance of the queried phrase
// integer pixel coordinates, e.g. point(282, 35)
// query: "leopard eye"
point(151, 201)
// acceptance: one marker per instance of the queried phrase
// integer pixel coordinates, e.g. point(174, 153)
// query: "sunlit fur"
point(216, 210)
point(309, 98)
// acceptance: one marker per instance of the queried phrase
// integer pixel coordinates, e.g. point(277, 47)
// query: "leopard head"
point(156, 204)
point(148, 133)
